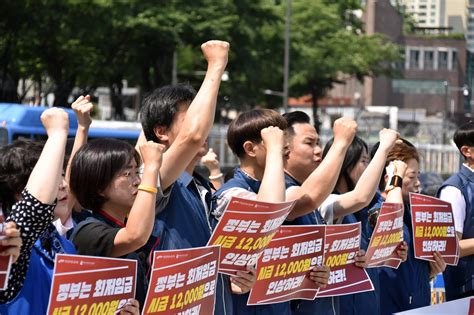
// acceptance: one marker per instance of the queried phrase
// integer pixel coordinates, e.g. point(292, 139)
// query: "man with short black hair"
point(181, 120)
point(459, 191)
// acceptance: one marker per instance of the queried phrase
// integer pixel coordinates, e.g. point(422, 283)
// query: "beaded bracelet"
point(216, 176)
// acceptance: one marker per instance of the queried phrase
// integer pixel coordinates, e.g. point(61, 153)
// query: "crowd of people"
point(107, 198)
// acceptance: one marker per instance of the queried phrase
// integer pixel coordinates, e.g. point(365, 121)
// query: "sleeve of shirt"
point(32, 217)
point(327, 208)
point(224, 199)
point(95, 239)
point(162, 201)
point(454, 196)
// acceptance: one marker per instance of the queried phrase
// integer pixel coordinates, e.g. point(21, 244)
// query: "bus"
point(18, 121)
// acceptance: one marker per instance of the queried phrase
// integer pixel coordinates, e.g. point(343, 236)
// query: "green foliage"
point(325, 45)
point(91, 43)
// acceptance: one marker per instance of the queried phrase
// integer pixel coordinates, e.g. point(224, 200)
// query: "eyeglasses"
point(131, 173)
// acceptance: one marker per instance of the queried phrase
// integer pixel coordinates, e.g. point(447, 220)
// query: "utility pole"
point(286, 65)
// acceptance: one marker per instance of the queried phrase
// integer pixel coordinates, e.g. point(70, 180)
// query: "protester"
point(256, 138)
point(211, 162)
point(350, 193)
point(355, 189)
point(82, 108)
point(305, 167)
point(407, 287)
point(105, 180)
point(181, 120)
point(359, 179)
point(459, 191)
point(32, 189)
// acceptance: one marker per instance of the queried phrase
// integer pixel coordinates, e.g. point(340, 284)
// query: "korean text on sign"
point(283, 269)
point(245, 230)
point(183, 281)
point(433, 229)
point(91, 285)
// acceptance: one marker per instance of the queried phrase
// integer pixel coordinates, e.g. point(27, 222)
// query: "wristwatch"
point(395, 181)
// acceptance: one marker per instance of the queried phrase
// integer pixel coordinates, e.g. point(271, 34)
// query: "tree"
point(327, 41)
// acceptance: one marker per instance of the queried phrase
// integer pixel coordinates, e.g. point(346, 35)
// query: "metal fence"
point(441, 159)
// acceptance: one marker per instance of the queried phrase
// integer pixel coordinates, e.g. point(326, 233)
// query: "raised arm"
point(367, 184)
point(272, 188)
point(44, 180)
point(33, 217)
point(211, 162)
point(200, 115)
point(317, 187)
point(82, 107)
point(394, 195)
point(141, 217)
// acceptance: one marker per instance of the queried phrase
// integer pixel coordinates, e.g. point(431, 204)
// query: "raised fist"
point(83, 108)
point(344, 130)
point(388, 137)
point(55, 120)
point(152, 153)
point(216, 53)
point(273, 137)
point(210, 160)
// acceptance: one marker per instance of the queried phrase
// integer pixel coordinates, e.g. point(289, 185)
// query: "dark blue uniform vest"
point(459, 280)
point(140, 255)
point(407, 287)
point(183, 223)
point(329, 305)
point(33, 297)
point(365, 302)
point(240, 301)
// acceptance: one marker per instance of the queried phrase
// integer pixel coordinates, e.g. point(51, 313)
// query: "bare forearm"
point(196, 127)
point(317, 187)
point(44, 180)
point(466, 247)
point(365, 188)
point(272, 188)
point(141, 217)
point(79, 141)
point(395, 195)
point(141, 140)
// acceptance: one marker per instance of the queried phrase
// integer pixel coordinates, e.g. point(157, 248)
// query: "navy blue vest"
point(365, 302)
point(140, 255)
point(183, 223)
point(407, 287)
point(329, 305)
point(33, 297)
point(459, 280)
point(240, 301)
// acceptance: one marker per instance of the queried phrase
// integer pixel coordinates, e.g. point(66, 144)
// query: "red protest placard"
point(5, 261)
point(388, 234)
point(342, 245)
point(433, 229)
point(183, 281)
point(91, 285)
point(284, 266)
point(245, 229)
